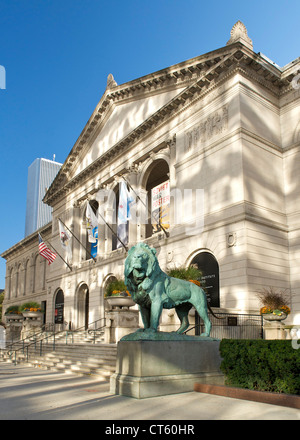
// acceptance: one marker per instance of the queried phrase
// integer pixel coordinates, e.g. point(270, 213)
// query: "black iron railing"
point(39, 340)
point(231, 326)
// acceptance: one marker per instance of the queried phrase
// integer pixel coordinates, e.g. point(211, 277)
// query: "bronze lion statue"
point(153, 290)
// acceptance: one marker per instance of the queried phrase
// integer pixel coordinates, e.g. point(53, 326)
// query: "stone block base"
point(274, 330)
point(120, 323)
point(157, 368)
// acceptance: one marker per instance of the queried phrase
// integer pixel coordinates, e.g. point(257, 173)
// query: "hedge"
point(264, 365)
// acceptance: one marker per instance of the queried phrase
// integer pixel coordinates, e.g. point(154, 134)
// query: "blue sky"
point(57, 56)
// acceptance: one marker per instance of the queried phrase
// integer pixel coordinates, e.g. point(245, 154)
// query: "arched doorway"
point(83, 306)
point(207, 263)
point(59, 307)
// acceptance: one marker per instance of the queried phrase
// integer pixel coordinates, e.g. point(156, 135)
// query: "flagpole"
point(77, 240)
point(149, 212)
point(56, 252)
point(124, 246)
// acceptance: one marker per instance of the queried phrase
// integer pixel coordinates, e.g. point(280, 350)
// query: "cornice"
point(60, 183)
point(21, 245)
point(172, 77)
point(201, 74)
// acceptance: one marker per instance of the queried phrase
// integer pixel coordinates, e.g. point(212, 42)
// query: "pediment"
point(128, 111)
point(124, 117)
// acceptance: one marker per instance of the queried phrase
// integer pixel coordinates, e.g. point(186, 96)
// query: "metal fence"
point(232, 326)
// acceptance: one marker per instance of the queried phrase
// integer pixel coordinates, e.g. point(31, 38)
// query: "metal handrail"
point(97, 329)
point(34, 335)
point(46, 337)
point(71, 332)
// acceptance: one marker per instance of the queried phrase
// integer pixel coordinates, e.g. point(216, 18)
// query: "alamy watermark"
point(2, 77)
point(296, 82)
point(187, 208)
point(295, 334)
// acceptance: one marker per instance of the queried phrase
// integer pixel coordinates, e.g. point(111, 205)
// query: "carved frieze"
point(215, 124)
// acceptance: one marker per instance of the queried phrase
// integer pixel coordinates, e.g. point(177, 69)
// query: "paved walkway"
point(28, 393)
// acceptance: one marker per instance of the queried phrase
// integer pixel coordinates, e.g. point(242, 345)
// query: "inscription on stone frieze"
point(214, 125)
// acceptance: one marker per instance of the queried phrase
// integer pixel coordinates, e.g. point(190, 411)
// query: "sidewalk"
point(28, 393)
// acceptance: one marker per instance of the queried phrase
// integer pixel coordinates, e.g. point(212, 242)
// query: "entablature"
point(200, 74)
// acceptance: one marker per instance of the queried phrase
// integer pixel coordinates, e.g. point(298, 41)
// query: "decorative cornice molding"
point(202, 74)
point(32, 238)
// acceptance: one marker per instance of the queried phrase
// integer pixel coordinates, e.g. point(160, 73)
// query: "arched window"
point(209, 267)
point(158, 194)
point(59, 307)
point(10, 285)
point(39, 273)
point(108, 279)
point(27, 278)
point(114, 240)
point(18, 281)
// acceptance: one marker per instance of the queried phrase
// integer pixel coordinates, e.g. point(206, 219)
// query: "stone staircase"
point(78, 356)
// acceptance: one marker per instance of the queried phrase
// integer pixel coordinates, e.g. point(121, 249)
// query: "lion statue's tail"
point(217, 317)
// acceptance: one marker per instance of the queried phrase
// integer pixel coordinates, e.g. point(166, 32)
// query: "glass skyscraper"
point(41, 174)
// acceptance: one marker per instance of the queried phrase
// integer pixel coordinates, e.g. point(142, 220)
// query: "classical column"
point(172, 176)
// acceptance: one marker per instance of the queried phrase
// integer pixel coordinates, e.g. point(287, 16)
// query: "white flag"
point(92, 223)
point(65, 240)
point(125, 200)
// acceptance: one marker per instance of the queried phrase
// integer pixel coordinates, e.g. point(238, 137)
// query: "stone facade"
point(226, 122)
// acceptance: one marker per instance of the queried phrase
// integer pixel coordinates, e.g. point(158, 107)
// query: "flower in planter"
point(116, 287)
point(278, 312)
point(120, 293)
point(273, 302)
point(12, 310)
point(33, 309)
point(30, 307)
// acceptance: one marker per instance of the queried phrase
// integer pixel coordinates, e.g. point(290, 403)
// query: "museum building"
point(215, 141)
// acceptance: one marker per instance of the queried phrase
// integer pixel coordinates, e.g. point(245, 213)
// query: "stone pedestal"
point(274, 330)
point(156, 368)
point(119, 323)
point(14, 325)
point(32, 324)
point(2, 337)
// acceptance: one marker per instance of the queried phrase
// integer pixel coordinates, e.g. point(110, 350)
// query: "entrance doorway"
point(83, 306)
point(59, 307)
point(209, 267)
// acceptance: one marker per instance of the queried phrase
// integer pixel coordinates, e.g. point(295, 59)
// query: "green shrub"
point(186, 273)
point(33, 306)
point(115, 287)
point(12, 310)
point(264, 365)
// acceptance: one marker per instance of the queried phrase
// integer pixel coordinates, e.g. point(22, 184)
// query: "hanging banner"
point(59, 308)
point(160, 206)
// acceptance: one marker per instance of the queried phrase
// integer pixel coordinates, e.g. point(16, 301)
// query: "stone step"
point(80, 359)
point(75, 352)
point(80, 369)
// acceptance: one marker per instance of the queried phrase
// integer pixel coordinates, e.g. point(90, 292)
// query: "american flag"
point(45, 251)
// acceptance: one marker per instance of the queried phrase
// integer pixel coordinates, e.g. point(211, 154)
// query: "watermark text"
point(2, 77)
